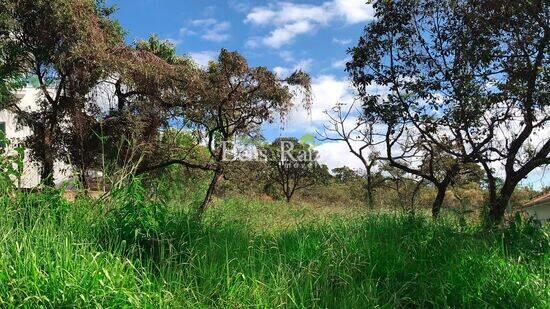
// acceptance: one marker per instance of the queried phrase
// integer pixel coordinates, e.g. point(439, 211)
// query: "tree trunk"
point(46, 175)
point(288, 198)
point(438, 202)
point(442, 190)
point(47, 171)
point(83, 178)
point(498, 204)
point(289, 192)
point(218, 174)
point(370, 189)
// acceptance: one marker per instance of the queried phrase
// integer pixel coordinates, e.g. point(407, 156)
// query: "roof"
point(545, 198)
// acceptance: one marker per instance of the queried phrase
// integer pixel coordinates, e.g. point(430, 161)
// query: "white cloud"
point(260, 16)
point(218, 32)
point(203, 22)
point(202, 58)
point(280, 71)
point(354, 11)
point(209, 29)
point(327, 91)
point(186, 31)
point(287, 56)
point(286, 34)
point(286, 12)
point(340, 64)
point(252, 43)
point(303, 65)
point(337, 154)
point(239, 5)
point(291, 19)
point(344, 42)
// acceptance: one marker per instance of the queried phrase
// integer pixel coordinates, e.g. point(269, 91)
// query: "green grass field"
point(143, 253)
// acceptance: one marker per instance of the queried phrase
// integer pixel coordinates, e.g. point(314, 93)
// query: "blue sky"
point(281, 35)
point(311, 34)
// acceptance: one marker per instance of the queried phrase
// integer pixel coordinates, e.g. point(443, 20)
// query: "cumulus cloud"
point(292, 19)
point(287, 56)
point(354, 11)
point(286, 33)
point(283, 72)
point(202, 58)
point(287, 12)
point(328, 90)
point(337, 154)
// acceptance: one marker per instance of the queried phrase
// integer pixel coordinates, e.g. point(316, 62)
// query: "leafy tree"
point(66, 46)
point(294, 165)
point(10, 56)
point(233, 100)
point(468, 78)
point(345, 174)
point(150, 83)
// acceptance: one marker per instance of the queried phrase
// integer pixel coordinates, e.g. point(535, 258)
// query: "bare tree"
point(406, 187)
point(471, 77)
point(348, 124)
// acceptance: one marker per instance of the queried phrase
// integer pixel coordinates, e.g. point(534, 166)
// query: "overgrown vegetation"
point(134, 249)
point(464, 91)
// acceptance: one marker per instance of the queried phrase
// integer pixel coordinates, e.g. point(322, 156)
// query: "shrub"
point(135, 217)
point(11, 165)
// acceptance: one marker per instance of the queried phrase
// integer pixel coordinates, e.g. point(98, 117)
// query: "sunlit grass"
point(266, 254)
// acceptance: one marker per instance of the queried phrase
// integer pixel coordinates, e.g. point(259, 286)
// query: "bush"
point(11, 165)
point(135, 217)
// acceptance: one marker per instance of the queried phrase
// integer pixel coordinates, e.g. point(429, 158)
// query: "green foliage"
point(308, 139)
point(162, 49)
point(134, 216)
point(261, 254)
point(294, 165)
point(11, 165)
point(525, 238)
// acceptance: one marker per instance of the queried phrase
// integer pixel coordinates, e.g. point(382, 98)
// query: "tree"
point(363, 131)
point(66, 46)
point(406, 186)
point(233, 99)
point(416, 156)
point(469, 77)
point(357, 130)
point(294, 165)
point(151, 84)
point(10, 57)
point(345, 174)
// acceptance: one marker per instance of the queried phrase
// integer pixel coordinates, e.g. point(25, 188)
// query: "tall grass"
point(141, 252)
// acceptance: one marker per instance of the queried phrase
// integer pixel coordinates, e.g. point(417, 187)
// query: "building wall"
point(16, 134)
point(540, 212)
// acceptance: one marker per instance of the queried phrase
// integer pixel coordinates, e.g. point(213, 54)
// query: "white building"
point(16, 134)
point(539, 208)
